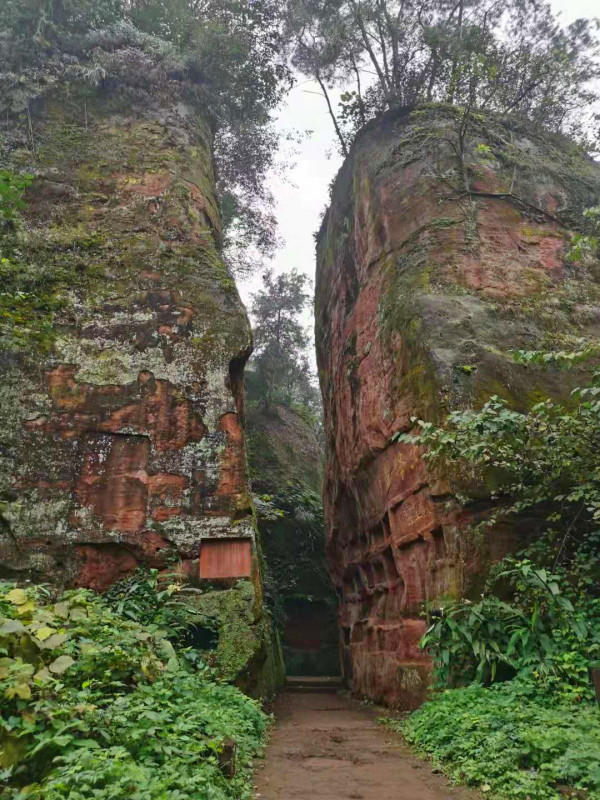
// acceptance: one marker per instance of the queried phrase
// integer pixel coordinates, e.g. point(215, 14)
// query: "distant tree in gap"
point(279, 370)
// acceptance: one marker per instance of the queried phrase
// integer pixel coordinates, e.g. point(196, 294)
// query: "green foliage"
point(27, 305)
point(585, 247)
point(225, 55)
point(559, 358)
point(297, 584)
point(241, 634)
point(509, 57)
point(97, 705)
point(27, 299)
point(543, 461)
point(12, 188)
point(535, 732)
point(142, 599)
point(548, 631)
point(284, 461)
point(510, 740)
point(292, 528)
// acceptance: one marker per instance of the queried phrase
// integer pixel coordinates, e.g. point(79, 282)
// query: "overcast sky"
point(302, 196)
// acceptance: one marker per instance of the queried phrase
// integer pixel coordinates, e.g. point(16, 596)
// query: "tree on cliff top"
point(226, 52)
point(280, 371)
point(508, 56)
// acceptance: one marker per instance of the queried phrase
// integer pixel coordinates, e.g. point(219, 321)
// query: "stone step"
point(313, 683)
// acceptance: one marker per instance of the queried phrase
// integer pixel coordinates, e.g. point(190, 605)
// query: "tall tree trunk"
point(365, 37)
point(456, 61)
point(338, 130)
point(361, 105)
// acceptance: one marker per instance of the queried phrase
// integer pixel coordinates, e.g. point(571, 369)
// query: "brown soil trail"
point(325, 746)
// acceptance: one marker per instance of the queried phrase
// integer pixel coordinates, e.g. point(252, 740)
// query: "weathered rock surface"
point(285, 460)
point(437, 258)
point(122, 426)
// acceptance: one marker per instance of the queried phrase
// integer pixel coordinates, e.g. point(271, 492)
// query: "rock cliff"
point(122, 357)
point(443, 251)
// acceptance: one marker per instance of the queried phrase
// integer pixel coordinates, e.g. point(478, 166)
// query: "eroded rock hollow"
point(444, 250)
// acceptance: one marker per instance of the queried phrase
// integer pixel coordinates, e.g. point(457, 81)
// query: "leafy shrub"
point(548, 631)
point(537, 735)
point(511, 740)
point(228, 53)
point(544, 460)
point(97, 705)
point(12, 188)
point(142, 598)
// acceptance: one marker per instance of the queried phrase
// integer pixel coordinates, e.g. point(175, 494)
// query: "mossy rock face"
point(121, 400)
point(285, 471)
point(282, 448)
point(436, 260)
point(245, 650)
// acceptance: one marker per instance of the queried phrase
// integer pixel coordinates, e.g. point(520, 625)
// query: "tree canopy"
point(510, 57)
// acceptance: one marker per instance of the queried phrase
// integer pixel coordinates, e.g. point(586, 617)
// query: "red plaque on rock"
point(225, 558)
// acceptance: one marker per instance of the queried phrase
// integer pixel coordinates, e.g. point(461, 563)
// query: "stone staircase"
point(313, 683)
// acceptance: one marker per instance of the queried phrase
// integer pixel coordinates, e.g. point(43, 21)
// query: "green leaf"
point(42, 675)
point(54, 641)
point(44, 633)
point(61, 664)
point(26, 608)
point(21, 690)
point(5, 666)
point(78, 614)
point(12, 626)
point(61, 610)
point(17, 596)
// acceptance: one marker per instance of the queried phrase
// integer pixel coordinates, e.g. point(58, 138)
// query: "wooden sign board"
point(225, 558)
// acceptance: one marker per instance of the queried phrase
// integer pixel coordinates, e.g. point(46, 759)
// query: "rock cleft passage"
point(285, 460)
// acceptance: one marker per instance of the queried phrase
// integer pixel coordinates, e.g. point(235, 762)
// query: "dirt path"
point(327, 747)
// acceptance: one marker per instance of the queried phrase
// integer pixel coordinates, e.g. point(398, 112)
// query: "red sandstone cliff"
point(437, 257)
point(123, 440)
point(121, 396)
